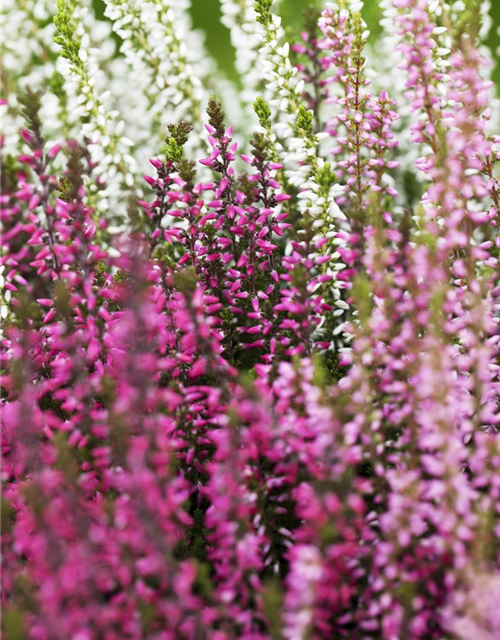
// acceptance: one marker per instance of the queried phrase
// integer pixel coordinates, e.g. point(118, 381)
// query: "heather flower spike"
point(250, 352)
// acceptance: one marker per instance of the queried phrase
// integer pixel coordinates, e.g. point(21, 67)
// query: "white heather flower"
point(160, 45)
point(239, 17)
point(79, 65)
point(292, 136)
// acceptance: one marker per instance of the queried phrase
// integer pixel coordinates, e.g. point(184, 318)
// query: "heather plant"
point(250, 354)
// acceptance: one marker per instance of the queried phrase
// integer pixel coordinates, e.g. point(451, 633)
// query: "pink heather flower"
point(223, 419)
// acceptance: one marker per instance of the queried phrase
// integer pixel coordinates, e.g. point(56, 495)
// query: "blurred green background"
point(207, 14)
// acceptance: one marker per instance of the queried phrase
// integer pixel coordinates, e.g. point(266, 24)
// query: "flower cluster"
point(253, 393)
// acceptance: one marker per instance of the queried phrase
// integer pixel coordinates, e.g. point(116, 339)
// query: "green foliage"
point(31, 102)
point(8, 514)
point(305, 124)
point(359, 42)
point(62, 300)
point(263, 11)
point(326, 177)
point(9, 168)
point(99, 274)
point(361, 292)
point(71, 182)
point(122, 277)
point(147, 613)
point(65, 26)
point(216, 116)
point(64, 189)
point(469, 21)
point(246, 359)
point(177, 138)
point(56, 86)
point(413, 188)
point(311, 16)
point(194, 544)
point(185, 281)
point(320, 378)
point(247, 187)
point(13, 624)
point(165, 254)
point(66, 460)
point(272, 598)
point(334, 372)
point(260, 147)
point(203, 583)
point(26, 312)
point(187, 172)
point(263, 112)
point(48, 403)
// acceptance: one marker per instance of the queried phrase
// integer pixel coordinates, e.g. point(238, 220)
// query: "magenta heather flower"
point(259, 398)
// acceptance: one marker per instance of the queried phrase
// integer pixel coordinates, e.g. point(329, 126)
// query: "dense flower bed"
point(254, 393)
